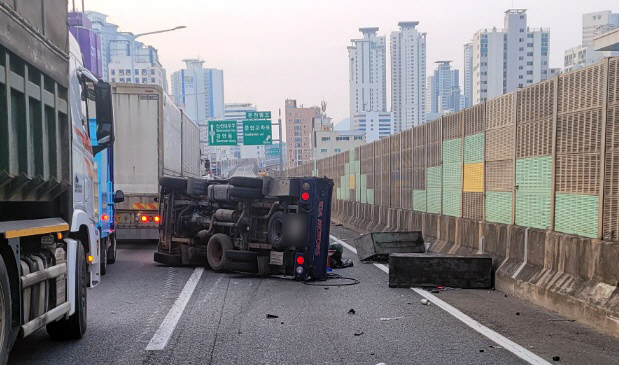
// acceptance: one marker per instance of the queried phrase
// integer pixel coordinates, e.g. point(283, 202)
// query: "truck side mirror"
point(105, 114)
point(119, 196)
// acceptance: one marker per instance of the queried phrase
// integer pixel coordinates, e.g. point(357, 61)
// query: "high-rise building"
point(376, 125)
point(199, 91)
point(509, 58)
point(367, 70)
point(592, 24)
point(329, 143)
point(443, 92)
point(468, 76)
point(123, 58)
point(299, 132)
point(408, 76)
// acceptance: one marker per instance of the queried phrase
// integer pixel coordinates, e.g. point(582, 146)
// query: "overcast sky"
point(271, 50)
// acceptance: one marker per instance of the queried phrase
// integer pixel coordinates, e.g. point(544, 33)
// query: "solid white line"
point(161, 337)
point(499, 339)
point(354, 250)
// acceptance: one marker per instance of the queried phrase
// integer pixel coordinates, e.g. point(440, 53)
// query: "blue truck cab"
point(106, 197)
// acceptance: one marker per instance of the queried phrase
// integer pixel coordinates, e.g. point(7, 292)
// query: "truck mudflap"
point(315, 201)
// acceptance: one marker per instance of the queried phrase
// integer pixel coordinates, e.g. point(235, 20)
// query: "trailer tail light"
point(305, 196)
point(300, 260)
point(105, 217)
point(157, 219)
point(144, 218)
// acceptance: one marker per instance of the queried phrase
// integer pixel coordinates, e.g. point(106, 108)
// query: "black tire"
point(111, 251)
point(177, 183)
point(246, 182)
point(275, 230)
point(249, 267)
point(216, 251)
point(103, 256)
point(74, 327)
point(5, 313)
point(241, 256)
point(245, 193)
point(168, 259)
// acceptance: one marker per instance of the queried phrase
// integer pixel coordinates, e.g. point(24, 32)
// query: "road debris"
point(351, 311)
point(358, 333)
point(556, 358)
point(495, 347)
point(272, 316)
point(425, 302)
point(391, 319)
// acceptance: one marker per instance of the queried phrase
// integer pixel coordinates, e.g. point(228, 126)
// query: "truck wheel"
point(74, 327)
point(245, 193)
point(5, 313)
point(250, 267)
point(276, 230)
point(111, 251)
point(246, 182)
point(216, 251)
point(241, 256)
point(177, 183)
point(103, 256)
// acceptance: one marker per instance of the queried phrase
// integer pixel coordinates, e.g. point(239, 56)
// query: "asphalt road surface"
point(146, 313)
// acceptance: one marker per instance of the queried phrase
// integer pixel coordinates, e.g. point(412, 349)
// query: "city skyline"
point(269, 64)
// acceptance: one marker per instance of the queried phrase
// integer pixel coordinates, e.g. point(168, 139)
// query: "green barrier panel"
point(577, 214)
point(434, 200)
point(419, 200)
point(434, 177)
point(371, 196)
point(452, 176)
point(533, 209)
point(452, 200)
point(474, 148)
point(499, 207)
point(452, 151)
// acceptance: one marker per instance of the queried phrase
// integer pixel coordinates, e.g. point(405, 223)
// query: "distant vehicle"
point(155, 139)
point(48, 242)
point(256, 225)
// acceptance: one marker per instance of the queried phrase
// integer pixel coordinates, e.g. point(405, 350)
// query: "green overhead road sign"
point(274, 151)
point(257, 115)
point(257, 132)
point(222, 133)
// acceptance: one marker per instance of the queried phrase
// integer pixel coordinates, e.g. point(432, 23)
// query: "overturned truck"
point(268, 226)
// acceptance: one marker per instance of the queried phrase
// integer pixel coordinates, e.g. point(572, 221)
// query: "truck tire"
point(74, 327)
point(5, 313)
point(111, 251)
point(249, 267)
point(177, 183)
point(103, 255)
point(216, 250)
point(246, 182)
point(276, 230)
point(168, 259)
point(241, 256)
point(245, 193)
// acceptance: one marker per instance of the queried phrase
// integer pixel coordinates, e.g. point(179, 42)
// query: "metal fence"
point(546, 156)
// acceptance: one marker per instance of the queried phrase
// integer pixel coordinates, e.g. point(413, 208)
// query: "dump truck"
point(256, 225)
point(154, 139)
point(49, 247)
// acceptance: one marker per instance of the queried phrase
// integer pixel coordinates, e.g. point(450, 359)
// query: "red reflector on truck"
point(105, 217)
point(305, 196)
point(300, 260)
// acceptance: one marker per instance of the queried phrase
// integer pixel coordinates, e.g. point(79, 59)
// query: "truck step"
point(432, 270)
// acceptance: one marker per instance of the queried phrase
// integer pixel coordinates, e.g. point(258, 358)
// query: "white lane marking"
point(354, 250)
point(499, 339)
point(161, 337)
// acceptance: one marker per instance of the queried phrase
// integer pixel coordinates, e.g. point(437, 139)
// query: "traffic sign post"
point(222, 133)
point(257, 132)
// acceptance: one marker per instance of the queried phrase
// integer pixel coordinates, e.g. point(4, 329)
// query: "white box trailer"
point(155, 138)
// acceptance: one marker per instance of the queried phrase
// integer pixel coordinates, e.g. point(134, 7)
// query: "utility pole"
point(281, 141)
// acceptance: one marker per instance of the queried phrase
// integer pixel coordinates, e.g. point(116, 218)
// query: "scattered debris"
point(495, 347)
point(282, 322)
point(435, 291)
point(517, 313)
point(381, 363)
point(371, 353)
point(556, 358)
point(272, 316)
point(562, 320)
point(482, 350)
point(351, 311)
point(391, 319)
point(425, 302)
point(326, 288)
point(113, 312)
point(505, 295)
point(358, 333)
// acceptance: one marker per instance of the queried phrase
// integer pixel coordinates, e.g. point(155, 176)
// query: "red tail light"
point(305, 196)
point(157, 219)
point(144, 218)
point(150, 219)
point(105, 217)
point(300, 260)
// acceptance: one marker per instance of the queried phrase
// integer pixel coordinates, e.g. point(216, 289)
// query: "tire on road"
point(241, 256)
point(103, 255)
point(245, 193)
point(249, 267)
point(74, 327)
point(5, 313)
point(111, 251)
point(168, 259)
point(276, 230)
point(216, 250)
point(177, 183)
point(246, 182)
